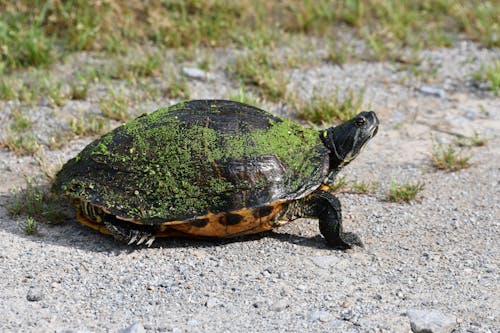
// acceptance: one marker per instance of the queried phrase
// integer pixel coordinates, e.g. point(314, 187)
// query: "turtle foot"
point(130, 236)
point(140, 237)
point(345, 241)
point(351, 239)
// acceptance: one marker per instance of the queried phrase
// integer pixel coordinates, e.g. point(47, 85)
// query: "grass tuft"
point(448, 158)
point(149, 65)
point(87, 124)
point(246, 97)
point(20, 122)
point(20, 144)
point(115, 107)
point(79, 90)
point(177, 87)
point(404, 192)
point(58, 139)
point(18, 138)
point(23, 42)
point(471, 141)
point(54, 90)
point(258, 69)
point(30, 226)
point(363, 187)
point(7, 89)
point(491, 75)
point(36, 202)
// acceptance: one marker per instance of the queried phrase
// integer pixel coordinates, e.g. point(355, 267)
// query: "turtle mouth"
point(375, 123)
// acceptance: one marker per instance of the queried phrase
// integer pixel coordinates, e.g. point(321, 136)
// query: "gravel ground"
point(438, 255)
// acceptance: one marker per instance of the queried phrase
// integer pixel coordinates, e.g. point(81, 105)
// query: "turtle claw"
point(147, 238)
point(143, 238)
point(134, 238)
point(139, 237)
point(130, 236)
point(150, 241)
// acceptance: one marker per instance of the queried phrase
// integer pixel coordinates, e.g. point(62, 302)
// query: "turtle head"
point(346, 140)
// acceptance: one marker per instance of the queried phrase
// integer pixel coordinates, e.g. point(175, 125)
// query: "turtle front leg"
point(326, 207)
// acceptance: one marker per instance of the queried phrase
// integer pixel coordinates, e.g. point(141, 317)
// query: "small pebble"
point(320, 315)
point(302, 287)
point(34, 295)
point(193, 322)
point(134, 328)
point(325, 316)
point(431, 321)
point(337, 324)
point(426, 90)
point(325, 261)
point(211, 302)
point(280, 305)
point(195, 73)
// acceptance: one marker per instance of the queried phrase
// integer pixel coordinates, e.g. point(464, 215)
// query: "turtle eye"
point(360, 121)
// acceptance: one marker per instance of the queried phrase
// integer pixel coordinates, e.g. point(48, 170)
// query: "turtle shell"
point(195, 163)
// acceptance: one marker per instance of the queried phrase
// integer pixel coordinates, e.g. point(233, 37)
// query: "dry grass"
point(88, 124)
point(449, 158)
point(20, 145)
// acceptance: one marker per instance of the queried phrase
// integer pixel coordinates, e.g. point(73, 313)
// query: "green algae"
point(158, 166)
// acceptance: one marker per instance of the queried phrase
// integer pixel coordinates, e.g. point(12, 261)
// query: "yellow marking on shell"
point(325, 134)
point(248, 225)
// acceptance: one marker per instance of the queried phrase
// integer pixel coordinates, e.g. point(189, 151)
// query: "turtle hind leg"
point(326, 207)
point(122, 231)
point(129, 235)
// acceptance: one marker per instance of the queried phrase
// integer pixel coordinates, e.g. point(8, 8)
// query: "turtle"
point(212, 169)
